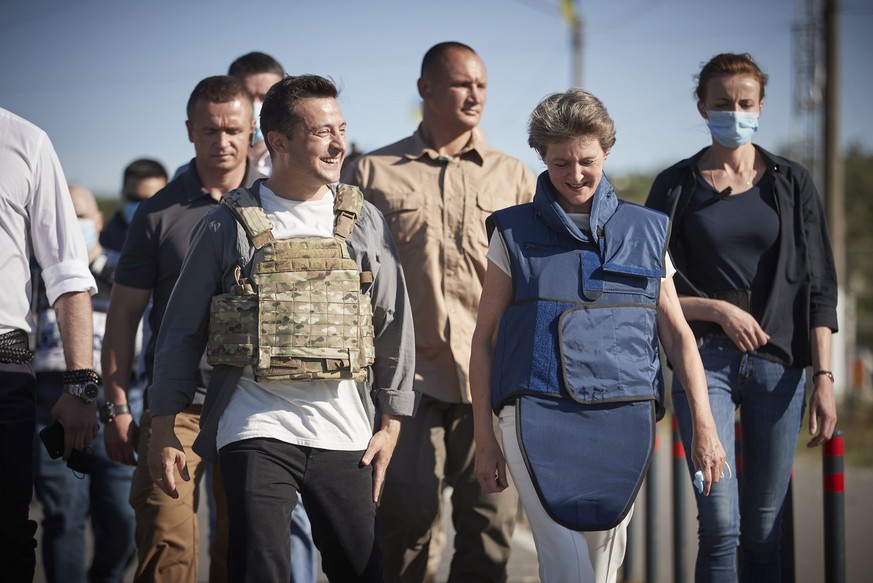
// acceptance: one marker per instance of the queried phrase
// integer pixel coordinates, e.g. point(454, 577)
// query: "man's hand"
point(379, 452)
point(79, 420)
point(822, 411)
point(120, 439)
point(165, 454)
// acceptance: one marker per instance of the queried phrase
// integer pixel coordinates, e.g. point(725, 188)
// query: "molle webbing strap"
point(349, 200)
point(253, 218)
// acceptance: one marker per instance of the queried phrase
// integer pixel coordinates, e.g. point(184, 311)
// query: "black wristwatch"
point(82, 383)
point(109, 412)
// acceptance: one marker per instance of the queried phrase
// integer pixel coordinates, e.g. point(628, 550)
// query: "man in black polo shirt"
point(220, 126)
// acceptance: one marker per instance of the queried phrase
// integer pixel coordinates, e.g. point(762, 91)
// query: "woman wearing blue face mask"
point(756, 279)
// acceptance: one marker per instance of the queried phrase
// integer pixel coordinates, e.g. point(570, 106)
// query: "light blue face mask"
point(258, 136)
point(89, 232)
point(698, 478)
point(130, 207)
point(732, 129)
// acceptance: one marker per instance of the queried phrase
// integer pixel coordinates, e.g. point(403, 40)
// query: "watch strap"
point(122, 409)
point(826, 373)
point(108, 412)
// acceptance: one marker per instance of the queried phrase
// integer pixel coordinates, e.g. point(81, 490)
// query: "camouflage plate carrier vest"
point(302, 314)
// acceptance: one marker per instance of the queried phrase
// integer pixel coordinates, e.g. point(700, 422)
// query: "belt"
point(749, 300)
point(13, 348)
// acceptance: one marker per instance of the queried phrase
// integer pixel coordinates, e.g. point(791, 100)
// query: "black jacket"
point(803, 292)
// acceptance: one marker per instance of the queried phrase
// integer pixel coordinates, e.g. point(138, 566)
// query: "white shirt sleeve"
point(497, 253)
point(669, 268)
point(57, 241)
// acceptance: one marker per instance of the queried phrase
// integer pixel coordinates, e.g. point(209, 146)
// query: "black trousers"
point(17, 426)
point(261, 481)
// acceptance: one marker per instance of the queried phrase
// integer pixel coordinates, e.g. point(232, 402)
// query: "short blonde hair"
point(571, 114)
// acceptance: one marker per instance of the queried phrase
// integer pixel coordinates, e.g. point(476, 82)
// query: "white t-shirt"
point(322, 414)
point(499, 256)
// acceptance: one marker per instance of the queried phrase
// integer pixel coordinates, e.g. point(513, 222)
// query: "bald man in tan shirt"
point(436, 188)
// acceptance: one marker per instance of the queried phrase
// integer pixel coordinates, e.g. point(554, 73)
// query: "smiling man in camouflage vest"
point(296, 288)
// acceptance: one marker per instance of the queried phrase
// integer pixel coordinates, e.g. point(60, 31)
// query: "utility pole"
point(578, 62)
point(835, 205)
point(577, 27)
point(809, 72)
point(834, 188)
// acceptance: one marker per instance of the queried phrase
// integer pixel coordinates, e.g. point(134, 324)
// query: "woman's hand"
point(741, 327)
point(707, 455)
point(490, 464)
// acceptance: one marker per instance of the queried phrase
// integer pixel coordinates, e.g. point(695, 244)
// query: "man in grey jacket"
point(277, 434)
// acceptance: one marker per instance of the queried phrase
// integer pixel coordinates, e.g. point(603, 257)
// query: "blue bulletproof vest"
point(577, 351)
point(582, 323)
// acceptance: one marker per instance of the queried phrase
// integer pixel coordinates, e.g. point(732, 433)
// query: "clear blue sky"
point(109, 79)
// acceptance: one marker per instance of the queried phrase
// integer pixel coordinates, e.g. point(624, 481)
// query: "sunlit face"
point(454, 93)
point(221, 133)
point(732, 93)
point(575, 167)
point(317, 145)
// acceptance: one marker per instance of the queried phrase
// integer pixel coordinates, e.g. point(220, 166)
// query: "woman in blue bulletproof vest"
point(565, 350)
point(756, 281)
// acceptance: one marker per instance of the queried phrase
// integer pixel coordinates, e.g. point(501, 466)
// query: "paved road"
point(808, 532)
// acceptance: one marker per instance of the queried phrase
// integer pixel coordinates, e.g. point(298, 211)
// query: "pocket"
point(233, 330)
point(405, 214)
point(486, 202)
point(608, 353)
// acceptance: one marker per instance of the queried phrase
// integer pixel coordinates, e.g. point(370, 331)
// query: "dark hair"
point(142, 169)
point(437, 54)
point(217, 89)
point(279, 112)
point(567, 115)
point(254, 63)
point(728, 64)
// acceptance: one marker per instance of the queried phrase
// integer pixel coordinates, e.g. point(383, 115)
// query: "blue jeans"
point(303, 555)
point(770, 397)
point(68, 500)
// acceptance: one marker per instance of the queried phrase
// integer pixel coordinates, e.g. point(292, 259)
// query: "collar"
point(603, 206)
point(773, 162)
point(474, 150)
point(193, 186)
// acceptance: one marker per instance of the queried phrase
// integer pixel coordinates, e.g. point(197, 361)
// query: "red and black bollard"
point(680, 486)
point(834, 510)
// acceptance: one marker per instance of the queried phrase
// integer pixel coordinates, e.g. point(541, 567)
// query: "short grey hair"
point(571, 114)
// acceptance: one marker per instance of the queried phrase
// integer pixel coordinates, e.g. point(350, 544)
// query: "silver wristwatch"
point(86, 391)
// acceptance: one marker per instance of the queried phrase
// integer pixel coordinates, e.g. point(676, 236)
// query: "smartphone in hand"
point(53, 439)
